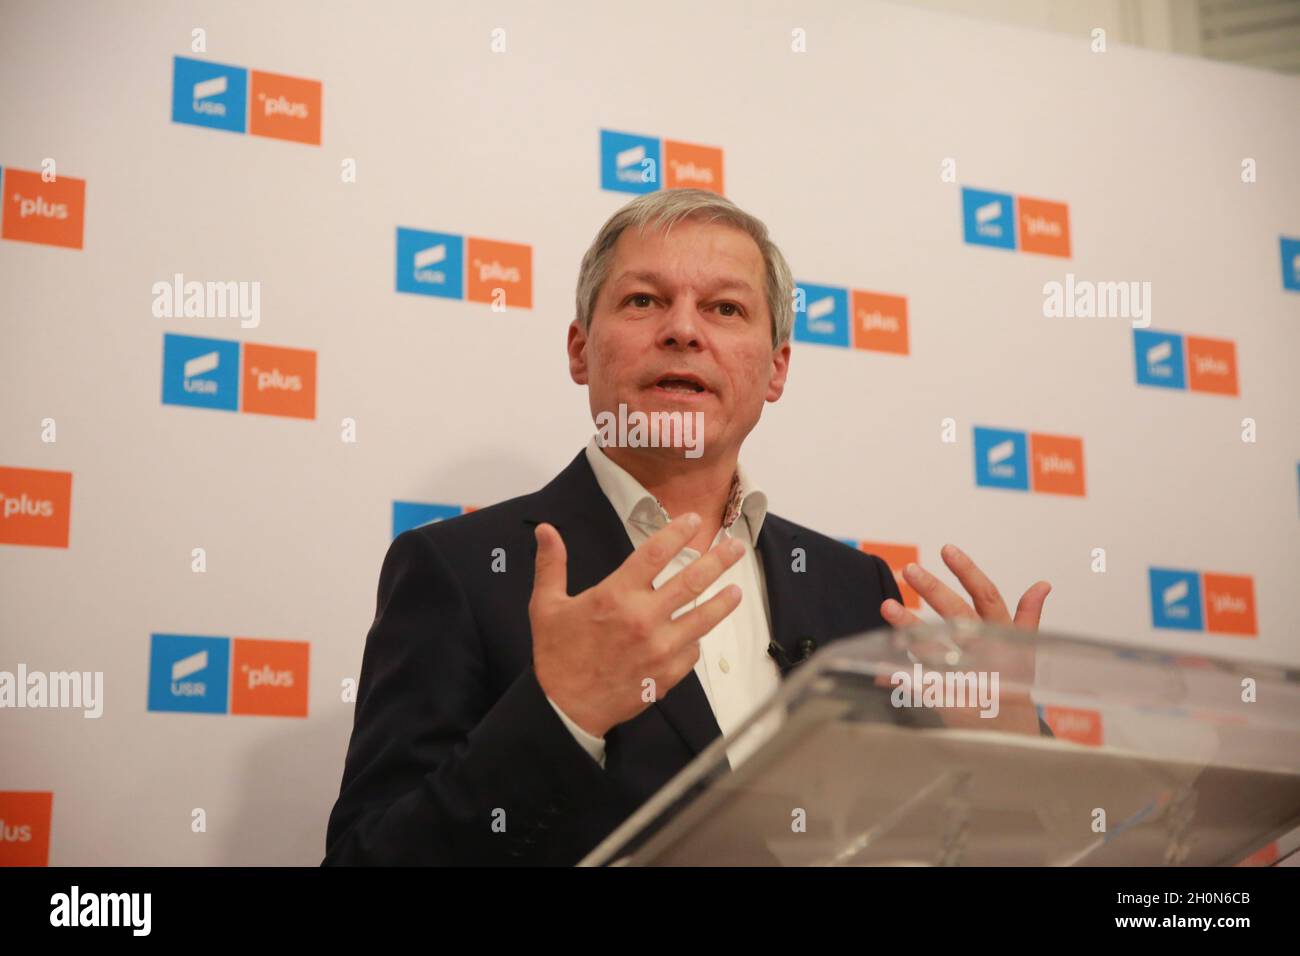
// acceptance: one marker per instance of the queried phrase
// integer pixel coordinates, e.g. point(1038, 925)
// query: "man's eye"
point(735, 309)
point(634, 297)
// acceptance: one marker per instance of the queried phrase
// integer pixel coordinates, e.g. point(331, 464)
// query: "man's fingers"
point(897, 615)
point(988, 602)
point(645, 563)
point(694, 624)
point(937, 594)
point(689, 583)
point(550, 568)
point(1030, 608)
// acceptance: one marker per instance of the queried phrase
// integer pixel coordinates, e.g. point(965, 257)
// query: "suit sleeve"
point(440, 768)
point(888, 583)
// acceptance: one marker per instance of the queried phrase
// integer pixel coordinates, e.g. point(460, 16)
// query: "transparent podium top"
point(963, 744)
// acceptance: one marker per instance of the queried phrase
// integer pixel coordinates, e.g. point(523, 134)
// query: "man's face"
point(682, 325)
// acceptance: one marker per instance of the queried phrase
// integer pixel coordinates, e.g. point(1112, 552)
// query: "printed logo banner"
point(35, 507)
point(50, 213)
point(25, 818)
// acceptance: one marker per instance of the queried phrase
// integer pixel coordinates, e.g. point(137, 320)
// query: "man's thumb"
point(550, 569)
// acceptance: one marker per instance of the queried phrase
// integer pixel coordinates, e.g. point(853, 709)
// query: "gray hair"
point(662, 209)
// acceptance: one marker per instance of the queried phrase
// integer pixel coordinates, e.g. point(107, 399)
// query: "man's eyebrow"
point(722, 284)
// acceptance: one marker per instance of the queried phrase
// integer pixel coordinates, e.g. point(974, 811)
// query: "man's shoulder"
point(514, 516)
point(502, 518)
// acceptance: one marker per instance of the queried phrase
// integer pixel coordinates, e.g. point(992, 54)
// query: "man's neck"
point(702, 485)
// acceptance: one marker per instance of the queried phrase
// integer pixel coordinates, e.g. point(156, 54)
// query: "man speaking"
point(651, 602)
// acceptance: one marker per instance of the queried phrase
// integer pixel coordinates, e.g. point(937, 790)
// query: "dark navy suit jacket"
point(451, 728)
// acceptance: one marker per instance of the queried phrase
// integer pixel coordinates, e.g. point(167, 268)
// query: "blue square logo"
point(629, 163)
point(430, 263)
point(1291, 263)
point(200, 372)
point(989, 218)
point(822, 315)
point(1175, 599)
point(1001, 459)
point(415, 514)
point(209, 94)
point(189, 674)
point(1159, 358)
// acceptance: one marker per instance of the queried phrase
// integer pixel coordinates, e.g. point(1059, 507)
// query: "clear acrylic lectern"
point(970, 745)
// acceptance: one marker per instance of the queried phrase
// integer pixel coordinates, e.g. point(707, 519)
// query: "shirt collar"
point(632, 502)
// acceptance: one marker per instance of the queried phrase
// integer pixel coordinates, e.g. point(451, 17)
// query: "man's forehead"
point(710, 278)
point(640, 258)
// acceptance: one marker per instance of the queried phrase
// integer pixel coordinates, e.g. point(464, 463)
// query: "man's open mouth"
point(678, 383)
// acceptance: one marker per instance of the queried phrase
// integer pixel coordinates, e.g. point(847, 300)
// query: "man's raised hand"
point(593, 652)
point(988, 602)
point(1014, 663)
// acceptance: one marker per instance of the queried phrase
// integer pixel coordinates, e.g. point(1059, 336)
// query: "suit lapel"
point(597, 543)
point(687, 708)
point(594, 538)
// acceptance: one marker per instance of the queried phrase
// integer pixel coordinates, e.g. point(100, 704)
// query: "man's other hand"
point(988, 603)
point(1014, 663)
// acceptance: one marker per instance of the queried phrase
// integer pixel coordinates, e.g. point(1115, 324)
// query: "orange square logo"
point(499, 272)
point(1044, 227)
point(1078, 726)
point(36, 211)
point(284, 107)
point(879, 322)
point(1229, 604)
point(35, 507)
point(688, 165)
point(1212, 365)
point(269, 678)
point(897, 556)
point(25, 828)
point(279, 381)
point(1056, 464)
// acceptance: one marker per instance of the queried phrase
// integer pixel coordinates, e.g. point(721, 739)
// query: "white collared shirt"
point(734, 668)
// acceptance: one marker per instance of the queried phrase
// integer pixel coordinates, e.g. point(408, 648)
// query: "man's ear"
point(780, 369)
point(577, 348)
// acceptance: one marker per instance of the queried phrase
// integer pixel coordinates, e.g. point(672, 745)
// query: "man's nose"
point(680, 326)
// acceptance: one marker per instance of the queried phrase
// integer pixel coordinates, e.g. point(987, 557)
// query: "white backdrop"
point(838, 149)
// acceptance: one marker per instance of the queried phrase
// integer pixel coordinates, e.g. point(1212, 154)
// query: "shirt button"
point(723, 665)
